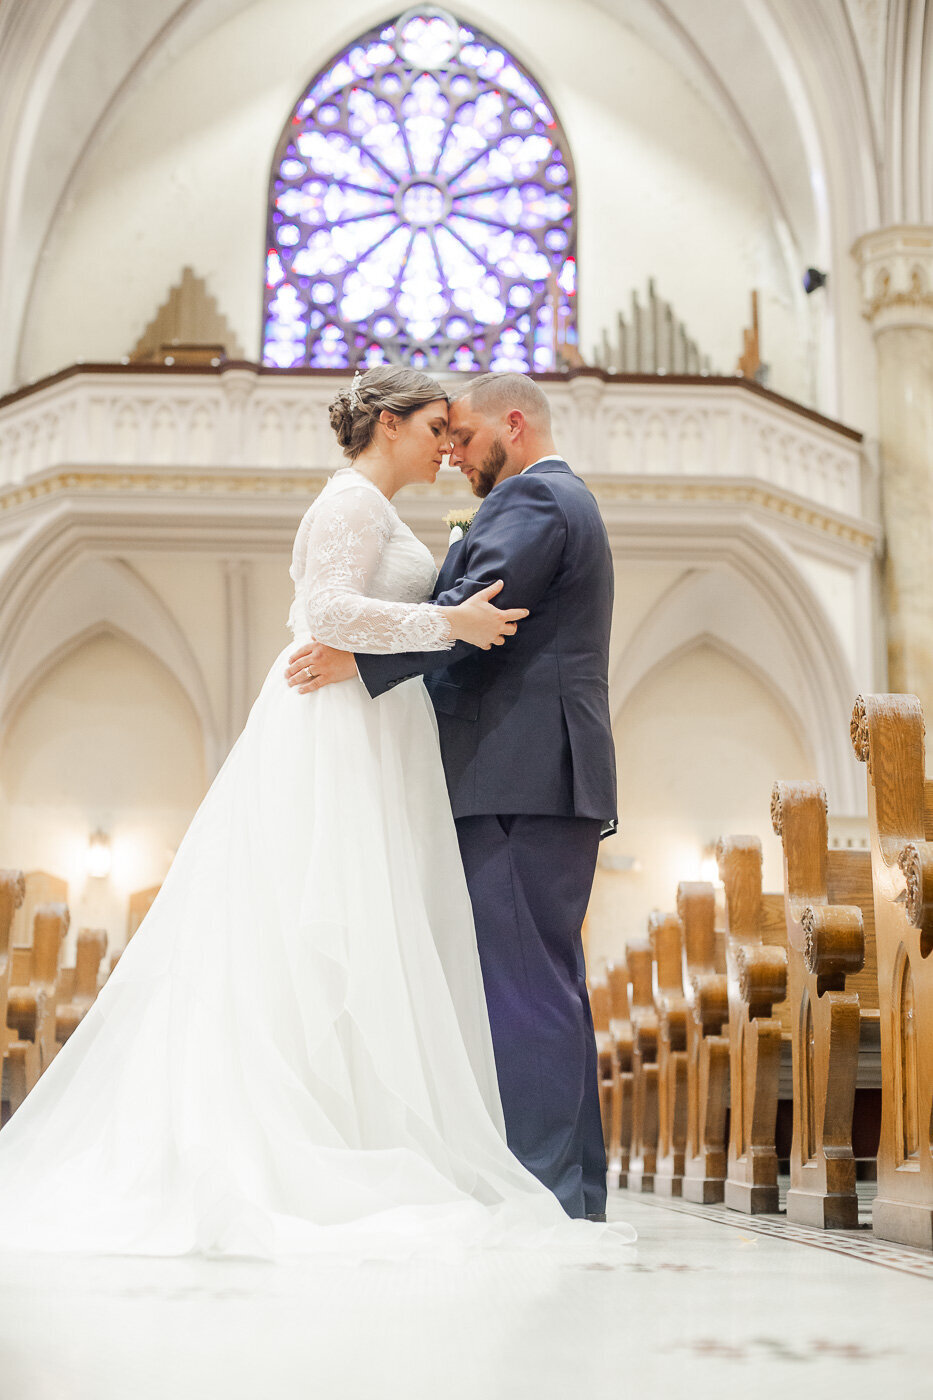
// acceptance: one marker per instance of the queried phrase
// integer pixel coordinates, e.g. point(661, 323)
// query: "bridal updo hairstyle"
point(354, 412)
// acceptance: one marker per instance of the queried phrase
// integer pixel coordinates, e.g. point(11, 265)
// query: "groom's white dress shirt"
point(551, 457)
point(456, 532)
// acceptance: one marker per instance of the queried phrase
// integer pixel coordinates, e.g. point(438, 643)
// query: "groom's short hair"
point(494, 395)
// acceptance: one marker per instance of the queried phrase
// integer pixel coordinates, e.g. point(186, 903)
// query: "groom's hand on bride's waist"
point(315, 665)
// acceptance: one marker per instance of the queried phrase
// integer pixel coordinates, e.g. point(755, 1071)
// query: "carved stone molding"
point(896, 268)
point(239, 483)
point(236, 416)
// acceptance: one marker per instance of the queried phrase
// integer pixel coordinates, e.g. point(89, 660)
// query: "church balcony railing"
point(238, 417)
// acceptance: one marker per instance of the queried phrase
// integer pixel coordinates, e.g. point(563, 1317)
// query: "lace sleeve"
point(346, 533)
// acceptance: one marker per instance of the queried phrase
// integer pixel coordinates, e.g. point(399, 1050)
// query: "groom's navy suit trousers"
point(528, 753)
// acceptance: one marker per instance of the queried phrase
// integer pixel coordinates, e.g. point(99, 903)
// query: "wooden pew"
point(620, 1027)
point(141, 901)
point(31, 1004)
point(12, 893)
point(887, 734)
point(41, 888)
point(607, 1068)
point(757, 979)
point(706, 989)
point(79, 985)
point(830, 919)
point(644, 1153)
point(665, 934)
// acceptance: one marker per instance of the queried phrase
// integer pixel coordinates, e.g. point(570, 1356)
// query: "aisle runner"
point(857, 1244)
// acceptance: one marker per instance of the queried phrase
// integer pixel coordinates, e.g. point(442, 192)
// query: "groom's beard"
point(487, 473)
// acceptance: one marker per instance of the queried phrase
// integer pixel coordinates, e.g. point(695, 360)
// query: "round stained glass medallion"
point(422, 192)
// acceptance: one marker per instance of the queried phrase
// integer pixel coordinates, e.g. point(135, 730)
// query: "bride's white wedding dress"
point(293, 1053)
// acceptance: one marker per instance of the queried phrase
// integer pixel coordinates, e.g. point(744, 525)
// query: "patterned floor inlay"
point(857, 1244)
point(765, 1350)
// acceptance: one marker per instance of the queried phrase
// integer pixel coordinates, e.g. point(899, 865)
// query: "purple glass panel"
point(422, 209)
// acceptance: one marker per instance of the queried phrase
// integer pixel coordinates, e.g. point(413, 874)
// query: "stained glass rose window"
point(422, 209)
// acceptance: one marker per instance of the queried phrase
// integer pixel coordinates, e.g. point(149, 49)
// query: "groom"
point(528, 752)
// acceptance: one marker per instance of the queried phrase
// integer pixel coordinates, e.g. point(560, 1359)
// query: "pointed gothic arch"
point(422, 209)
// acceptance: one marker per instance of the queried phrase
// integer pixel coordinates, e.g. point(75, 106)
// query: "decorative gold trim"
point(231, 481)
point(896, 267)
point(608, 489)
point(885, 300)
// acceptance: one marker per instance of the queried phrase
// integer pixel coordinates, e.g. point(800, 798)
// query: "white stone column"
point(897, 283)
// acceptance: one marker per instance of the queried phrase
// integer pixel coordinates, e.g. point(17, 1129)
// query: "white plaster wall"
point(180, 174)
point(699, 745)
point(106, 739)
point(270, 597)
point(191, 587)
point(639, 588)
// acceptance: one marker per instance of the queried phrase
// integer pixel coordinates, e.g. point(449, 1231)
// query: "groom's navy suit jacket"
point(525, 727)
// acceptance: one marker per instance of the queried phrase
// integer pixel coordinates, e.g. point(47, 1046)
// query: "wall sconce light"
point(98, 855)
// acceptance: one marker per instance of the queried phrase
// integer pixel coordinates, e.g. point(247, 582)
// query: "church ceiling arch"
point(746, 598)
point(754, 100)
point(88, 597)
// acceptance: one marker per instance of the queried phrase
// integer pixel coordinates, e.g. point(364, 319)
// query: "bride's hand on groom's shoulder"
point(315, 665)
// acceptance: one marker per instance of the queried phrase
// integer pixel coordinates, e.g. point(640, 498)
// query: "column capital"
point(896, 269)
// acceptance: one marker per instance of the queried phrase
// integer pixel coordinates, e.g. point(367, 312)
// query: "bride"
point(293, 1055)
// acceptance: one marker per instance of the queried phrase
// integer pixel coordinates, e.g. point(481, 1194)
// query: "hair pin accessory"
point(355, 399)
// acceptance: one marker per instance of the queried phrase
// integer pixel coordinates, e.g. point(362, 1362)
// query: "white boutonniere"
point(459, 522)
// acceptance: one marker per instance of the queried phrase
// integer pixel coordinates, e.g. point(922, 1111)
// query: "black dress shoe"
point(597, 1216)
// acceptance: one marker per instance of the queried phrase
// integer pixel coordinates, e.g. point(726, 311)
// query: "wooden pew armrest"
point(645, 1031)
point(762, 976)
point(834, 941)
point(710, 1001)
point(26, 1008)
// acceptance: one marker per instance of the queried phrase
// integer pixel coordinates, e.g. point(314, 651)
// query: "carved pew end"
point(916, 864)
point(823, 1212)
point(835, 943)
point(762, 974)
point(888, 736)
point(641, 1172)
point(711, 1002)
point(753, 1198)
point(904, 1222)
point(92, 945)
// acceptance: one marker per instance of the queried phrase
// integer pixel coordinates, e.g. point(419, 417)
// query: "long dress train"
point(293, 1054)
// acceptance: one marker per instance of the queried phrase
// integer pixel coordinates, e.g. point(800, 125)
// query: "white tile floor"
point(703, 1309)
